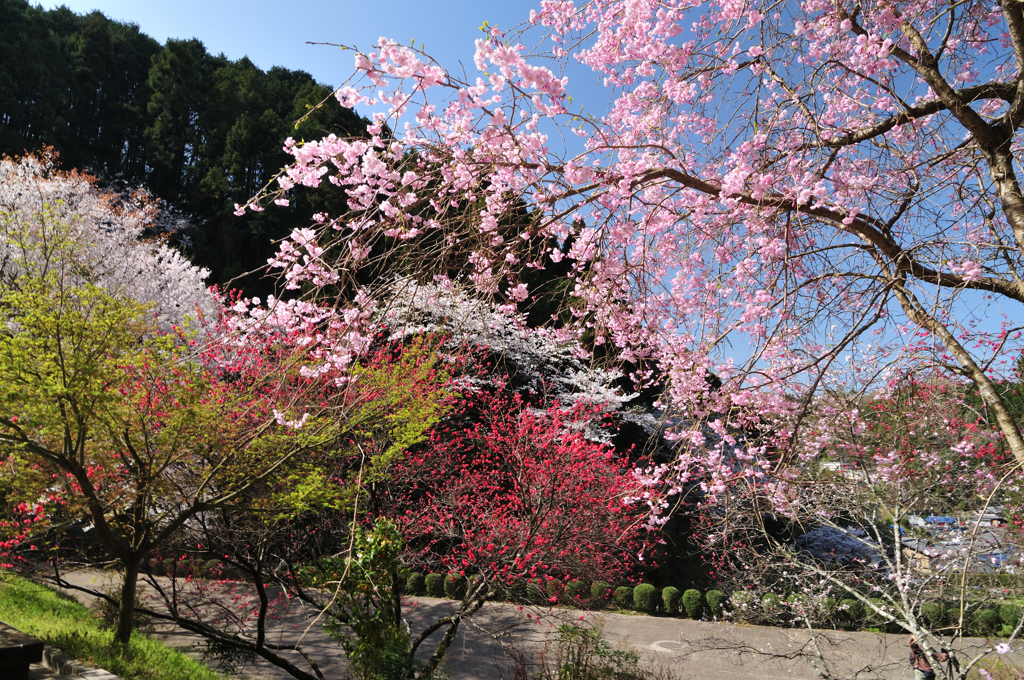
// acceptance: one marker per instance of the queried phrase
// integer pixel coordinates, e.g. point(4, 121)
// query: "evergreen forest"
point(198, 130)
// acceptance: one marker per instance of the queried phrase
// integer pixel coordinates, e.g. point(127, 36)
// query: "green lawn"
point(65, 624)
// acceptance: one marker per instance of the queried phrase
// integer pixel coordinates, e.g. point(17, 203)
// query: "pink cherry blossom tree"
point(781, 199)
point(772, 190)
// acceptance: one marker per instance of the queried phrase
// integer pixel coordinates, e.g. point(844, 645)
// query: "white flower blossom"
point(48, 216)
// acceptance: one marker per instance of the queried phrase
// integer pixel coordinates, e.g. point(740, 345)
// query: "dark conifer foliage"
point(198, 130)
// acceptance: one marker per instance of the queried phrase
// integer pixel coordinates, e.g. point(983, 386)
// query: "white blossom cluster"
point(56, 219)
point(540, 361)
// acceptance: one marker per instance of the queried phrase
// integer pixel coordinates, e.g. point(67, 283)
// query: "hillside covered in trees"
point(198, 130)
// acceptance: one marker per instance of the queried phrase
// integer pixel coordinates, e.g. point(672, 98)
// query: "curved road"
point(489, 644)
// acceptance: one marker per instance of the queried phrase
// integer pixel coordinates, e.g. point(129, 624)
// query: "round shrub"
point(851, 612)
point(497, 592)
point(575, 592)
point(599, 591)
point(932, 613)
point(1010, 614)
point(455, 586)
point(823, 611)
point(716, 600)
point(645, 598)
point(670, 599)
point(555, 590)
point(799, 606)
point(745, 606)
point(772, 608)
point(415, 584)
point(693, 604)
point(434, 584)
point(536, 592)
point(623, 597)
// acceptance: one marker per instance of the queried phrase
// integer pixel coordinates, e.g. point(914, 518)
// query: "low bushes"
point(851, 612)
point(693, 604)
point(575, 592)
point(670, 598)
point(536, 592)
point(773, 609)
point(455, 586)
point(434, 584)
point(745, 606)
point(623, 597)
point(555, 590)
point(599, 592)
point(415, 584)
point(873, 618)
point(645, 598)
point(716, 601)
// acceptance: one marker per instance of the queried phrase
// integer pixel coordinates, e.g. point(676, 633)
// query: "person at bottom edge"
point(919, 662)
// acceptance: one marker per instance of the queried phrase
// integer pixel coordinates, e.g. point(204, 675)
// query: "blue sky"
point(275, 33)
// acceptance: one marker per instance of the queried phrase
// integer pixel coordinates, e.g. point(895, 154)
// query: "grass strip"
point(64, 623)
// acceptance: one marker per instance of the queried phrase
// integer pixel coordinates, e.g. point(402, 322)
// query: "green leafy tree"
point(366, 617)
point(130, 433)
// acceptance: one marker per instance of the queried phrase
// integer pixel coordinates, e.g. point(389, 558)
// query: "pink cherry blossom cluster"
point(770, 190)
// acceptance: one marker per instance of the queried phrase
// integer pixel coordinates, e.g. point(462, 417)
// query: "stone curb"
point(68, 667)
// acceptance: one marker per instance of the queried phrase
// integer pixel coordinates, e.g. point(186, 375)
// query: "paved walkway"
point(680, 648)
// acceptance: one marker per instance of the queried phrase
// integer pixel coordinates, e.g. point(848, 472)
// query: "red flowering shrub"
point(511, 493)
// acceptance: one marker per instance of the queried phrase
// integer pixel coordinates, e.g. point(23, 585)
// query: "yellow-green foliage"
point(392, 405)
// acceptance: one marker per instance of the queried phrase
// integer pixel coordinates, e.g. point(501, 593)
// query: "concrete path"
point(489, 644)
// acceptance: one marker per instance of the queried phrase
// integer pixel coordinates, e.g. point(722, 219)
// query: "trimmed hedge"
point(623, 597)
point(599, 591)
point(645, 598)
point(772, 608)
point(670, 598)
point(693, 604)
point(745, 606)
point(536, 593)
point(873, 618)
point(851, 611)
point(455, 586)
point(575, 593)
point(497, 591)
point(415, 584)
point(716, 600)
point(555, 590)
point(434, 584)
